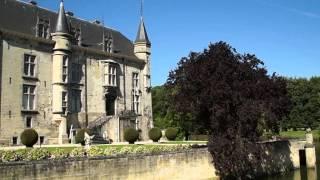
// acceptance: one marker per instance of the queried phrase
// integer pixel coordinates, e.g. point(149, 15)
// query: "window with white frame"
point(110, 74)
point(43, 28)
point(64, 101)
point(65, 69)
point(29, 68)
point(136, 103)
point(28, 122)
point(135, 80)
point(28, 100)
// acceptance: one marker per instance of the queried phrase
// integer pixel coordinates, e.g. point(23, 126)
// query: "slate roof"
point(142, 35)
point(62, 22)
point(23, 17)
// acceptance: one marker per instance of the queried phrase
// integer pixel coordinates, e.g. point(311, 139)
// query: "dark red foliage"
point(229, 94)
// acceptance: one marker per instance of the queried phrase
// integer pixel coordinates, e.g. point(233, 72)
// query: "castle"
point(59, 74)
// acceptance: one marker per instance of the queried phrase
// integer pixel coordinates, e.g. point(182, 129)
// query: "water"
point(303, 173)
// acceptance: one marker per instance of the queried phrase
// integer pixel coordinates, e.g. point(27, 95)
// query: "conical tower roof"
point(62, 25)
point(142, 36)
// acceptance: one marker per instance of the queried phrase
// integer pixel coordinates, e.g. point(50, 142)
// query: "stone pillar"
point(310, 150)
point(312, 174)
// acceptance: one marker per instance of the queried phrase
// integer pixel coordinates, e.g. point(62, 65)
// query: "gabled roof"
point(142, 35)
point(21, 17)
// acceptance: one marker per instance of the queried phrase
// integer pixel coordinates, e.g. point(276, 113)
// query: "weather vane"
point(141, 9)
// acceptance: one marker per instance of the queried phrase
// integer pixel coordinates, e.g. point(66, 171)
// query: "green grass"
point(299, 134)
point(185, 142)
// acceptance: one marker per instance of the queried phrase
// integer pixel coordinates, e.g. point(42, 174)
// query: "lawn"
point(105, 146)
point(299, 134)
point(185, 142)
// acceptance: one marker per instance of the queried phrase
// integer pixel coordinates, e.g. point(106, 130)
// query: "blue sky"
point(285, 34)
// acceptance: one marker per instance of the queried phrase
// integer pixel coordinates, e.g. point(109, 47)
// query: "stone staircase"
point(94, 126)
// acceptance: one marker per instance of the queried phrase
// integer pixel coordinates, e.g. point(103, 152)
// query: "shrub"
point(59, 154)
point(140, 150)
point(80, 136)
point(126, 150)
point(95, 151)
point(155, 134)
point(78, 152)
point(131, 135)
point(9, 156)
point(171, 133)
point(110, 151)
point(37, 154)
point(29, 137)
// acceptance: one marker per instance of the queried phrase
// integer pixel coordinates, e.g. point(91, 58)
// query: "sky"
point(285, 34)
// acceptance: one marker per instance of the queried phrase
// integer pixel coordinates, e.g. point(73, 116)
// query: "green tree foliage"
point(165, 115)
point(230, 95)
point(305, 97)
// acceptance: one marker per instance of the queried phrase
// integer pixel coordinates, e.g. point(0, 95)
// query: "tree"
point(305, 98)
point(165, 115)
point(229, 94)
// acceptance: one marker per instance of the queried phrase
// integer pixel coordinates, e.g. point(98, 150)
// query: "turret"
point(142, 43)
point(60, 72)
point(142, 49)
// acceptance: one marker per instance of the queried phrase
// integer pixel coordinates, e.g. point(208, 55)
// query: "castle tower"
point(60, 69)
point(142, 49)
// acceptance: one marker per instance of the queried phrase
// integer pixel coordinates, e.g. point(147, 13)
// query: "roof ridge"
point(75, 17)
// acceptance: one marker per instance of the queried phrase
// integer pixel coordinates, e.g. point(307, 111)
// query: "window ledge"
point(76, 83)
point(110, 86)
point(34, 78)
point(30, 111)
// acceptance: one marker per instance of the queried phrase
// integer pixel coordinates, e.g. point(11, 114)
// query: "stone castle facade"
point(59, 73)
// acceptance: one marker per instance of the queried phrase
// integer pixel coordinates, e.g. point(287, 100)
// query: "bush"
point(131, 135)
point(110, 151)
point(9, 156)
point(59, 154)
point(29, 137)
point(80, 136)
point(37, 154)
point(155, 134)
point(171, 133)
point(95, 151)
point(78, 152)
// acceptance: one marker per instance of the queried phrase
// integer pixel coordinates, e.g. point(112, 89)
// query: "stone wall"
point(192, 164)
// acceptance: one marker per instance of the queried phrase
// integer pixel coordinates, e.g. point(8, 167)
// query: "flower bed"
point(95, 151)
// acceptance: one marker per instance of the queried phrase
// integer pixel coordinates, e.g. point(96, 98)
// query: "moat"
point(303, 173)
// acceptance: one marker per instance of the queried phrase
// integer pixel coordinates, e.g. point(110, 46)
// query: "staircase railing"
point(100, 121)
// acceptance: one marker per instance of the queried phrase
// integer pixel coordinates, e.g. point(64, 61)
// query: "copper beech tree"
point(234, 99)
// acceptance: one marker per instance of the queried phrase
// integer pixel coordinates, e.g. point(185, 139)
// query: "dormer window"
point(76, 33)
point(108, 44)
point(110, 74)
point(43, 28)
